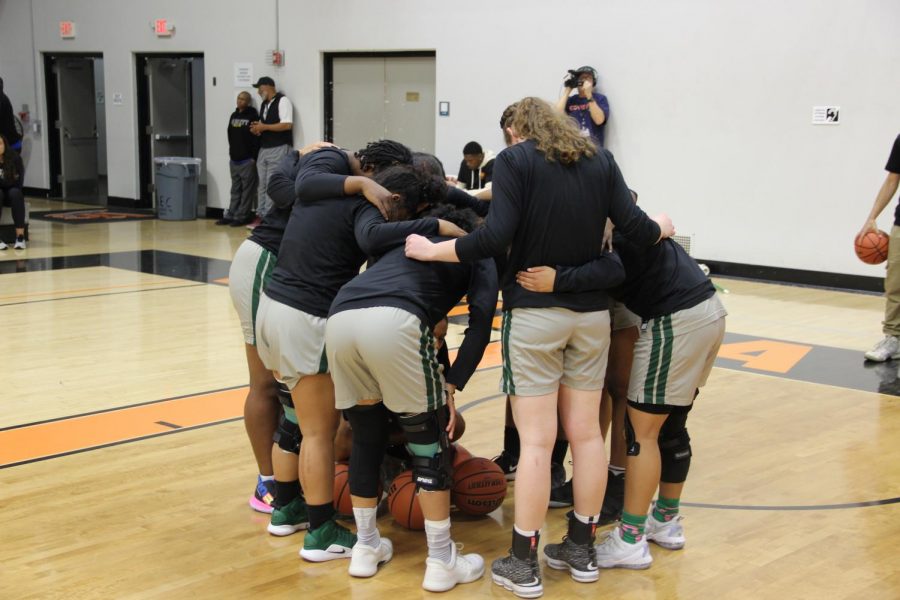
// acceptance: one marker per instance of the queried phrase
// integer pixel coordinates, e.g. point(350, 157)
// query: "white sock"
point(616, 470)
point(366, 530)
point(586, 520)
point(439, 543)
point(525, 533)
point(267, 478)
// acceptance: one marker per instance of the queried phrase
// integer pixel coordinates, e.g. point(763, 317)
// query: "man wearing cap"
point(275, 129)
point(589, 108)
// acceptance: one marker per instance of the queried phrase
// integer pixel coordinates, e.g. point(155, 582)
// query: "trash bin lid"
point(185, 161)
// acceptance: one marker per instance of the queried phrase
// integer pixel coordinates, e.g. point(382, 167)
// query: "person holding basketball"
point(889, 347)
point(550, 189)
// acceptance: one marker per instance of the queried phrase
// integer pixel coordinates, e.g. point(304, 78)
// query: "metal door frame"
point(328, 81)
point(145, 149)
point(52, 98)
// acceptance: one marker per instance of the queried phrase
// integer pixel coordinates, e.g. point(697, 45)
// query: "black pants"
point(14, 197)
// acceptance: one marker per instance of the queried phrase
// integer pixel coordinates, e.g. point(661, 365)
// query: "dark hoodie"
point(7, 119)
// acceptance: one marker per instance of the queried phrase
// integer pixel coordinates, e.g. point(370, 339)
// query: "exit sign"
point(67, 30)
point(162, 28)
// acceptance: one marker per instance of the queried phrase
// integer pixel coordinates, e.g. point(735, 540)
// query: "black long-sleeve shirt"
point(548, 213)
point(270, 230)
point(15, 179)
point(429, 291)
point(8, 120)
point(242, 145)
point(329, 236)
point(659, 280)
point(462, 199)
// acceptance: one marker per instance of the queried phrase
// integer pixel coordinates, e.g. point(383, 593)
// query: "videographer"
point(589, 108)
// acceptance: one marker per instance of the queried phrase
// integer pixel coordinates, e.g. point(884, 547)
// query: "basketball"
point(479, 486)
point(872, 248)
point(403, 503)
point(460, 455)
point(342, 502)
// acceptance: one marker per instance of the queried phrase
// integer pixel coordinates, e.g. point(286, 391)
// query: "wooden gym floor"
point(125, 472)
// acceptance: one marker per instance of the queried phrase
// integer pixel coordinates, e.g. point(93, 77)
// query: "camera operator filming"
point(589, 108)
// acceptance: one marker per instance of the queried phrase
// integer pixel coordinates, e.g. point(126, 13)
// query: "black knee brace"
point(370, 434)
point(284, 395)
point(632, 447)
point(287, 435)
point(427, 441)
point(675, 448)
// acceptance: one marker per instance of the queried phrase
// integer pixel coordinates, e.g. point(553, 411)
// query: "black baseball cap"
point(264, 81)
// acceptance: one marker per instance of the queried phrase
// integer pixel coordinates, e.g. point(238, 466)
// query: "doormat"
point(91, 216)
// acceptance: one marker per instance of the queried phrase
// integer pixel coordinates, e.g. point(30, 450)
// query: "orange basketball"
point(342, 502)
point(460, 455)
point(872, 248)
point(403, 502)
point(479, 486)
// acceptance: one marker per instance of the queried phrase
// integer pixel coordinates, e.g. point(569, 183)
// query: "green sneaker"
point(328, 542)
point(289, 519)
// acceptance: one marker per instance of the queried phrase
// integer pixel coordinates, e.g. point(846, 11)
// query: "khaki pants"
point(891, 324)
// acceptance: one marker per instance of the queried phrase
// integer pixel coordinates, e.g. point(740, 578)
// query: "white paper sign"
point(118, 99)
point(826, 115)
point(243, 74)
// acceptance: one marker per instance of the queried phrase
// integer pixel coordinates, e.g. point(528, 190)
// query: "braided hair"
point(383, 154)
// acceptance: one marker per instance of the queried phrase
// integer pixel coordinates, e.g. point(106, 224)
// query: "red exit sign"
point(67, 29)
point(162, 28)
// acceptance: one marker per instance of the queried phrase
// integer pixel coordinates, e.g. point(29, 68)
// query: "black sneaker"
point(560, 489)
point(241, 221)
point(508, 463)
point(521, 577)
point(613, 499)
point(224, 221)
point(579, 559)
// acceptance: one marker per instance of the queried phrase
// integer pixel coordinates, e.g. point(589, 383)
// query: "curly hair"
point(429, 164)
point(414, 187)
point(383, 154)
point(555, 135)
point(464, 218)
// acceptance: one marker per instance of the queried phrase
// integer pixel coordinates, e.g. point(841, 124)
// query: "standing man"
point(8, 127)
point(889, 347)
point(243, 148)
point(589, 108)
point(275, 131)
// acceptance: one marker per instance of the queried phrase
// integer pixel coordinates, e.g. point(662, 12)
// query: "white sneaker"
point(3, 245)
point(463, 568)
point(366, 560)
point(668, 534)
point(20, 245)
point(616, 552)
point(886, 349)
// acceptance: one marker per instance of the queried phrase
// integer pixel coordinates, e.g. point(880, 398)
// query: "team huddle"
point(331, 349)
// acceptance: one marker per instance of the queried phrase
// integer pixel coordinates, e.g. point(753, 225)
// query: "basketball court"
point(125, 469)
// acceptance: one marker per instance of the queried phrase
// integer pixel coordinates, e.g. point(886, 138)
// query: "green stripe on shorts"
point(653, 363)
point(426, 368)
point(264, 267)
point(323, 363)
point(508, 385)
point(668, 344)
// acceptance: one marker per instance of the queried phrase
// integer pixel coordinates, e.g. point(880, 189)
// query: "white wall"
point(710, 101)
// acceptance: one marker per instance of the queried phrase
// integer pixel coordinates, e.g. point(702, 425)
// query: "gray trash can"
point(177, 184)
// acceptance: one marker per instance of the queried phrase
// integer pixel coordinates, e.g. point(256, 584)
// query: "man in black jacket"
point(276, 136)
point(243, 148)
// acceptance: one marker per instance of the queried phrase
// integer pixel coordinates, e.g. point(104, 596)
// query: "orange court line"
point(53, 438)
point(222, 280)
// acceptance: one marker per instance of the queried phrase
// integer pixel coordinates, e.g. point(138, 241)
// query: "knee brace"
point(370, 433)
point(287, 434)
point(632, 447)
point(427, 441)
point(284, 395)
point(674, 449)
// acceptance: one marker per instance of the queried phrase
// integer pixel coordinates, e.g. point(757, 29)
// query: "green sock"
point(632, 527)
point(666, 509)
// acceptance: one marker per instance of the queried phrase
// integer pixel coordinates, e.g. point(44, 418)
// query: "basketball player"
point(382, 352)
point(550, 189)
point(328, 237)
point(683, 323)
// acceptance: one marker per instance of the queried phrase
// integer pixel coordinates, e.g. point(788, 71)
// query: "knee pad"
point(284, 395)
point(370, 430)
point(632, 447)
point(674, 449)
point(287, 435)
point(427, 441)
